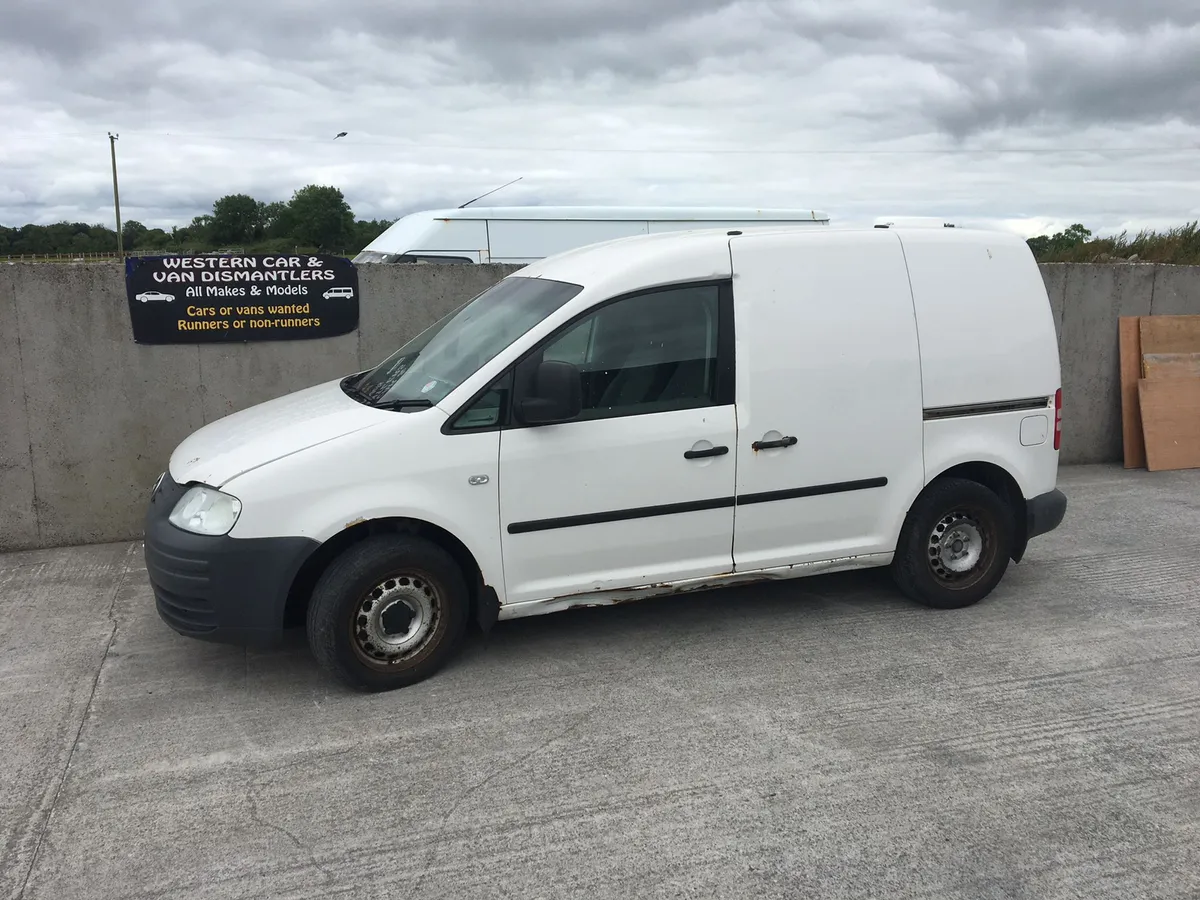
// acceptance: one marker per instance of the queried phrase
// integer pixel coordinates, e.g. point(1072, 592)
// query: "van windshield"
point(444, 355)
point(375, 256)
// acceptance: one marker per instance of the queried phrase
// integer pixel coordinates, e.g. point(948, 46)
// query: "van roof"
point(610, 213)
point(649, 259)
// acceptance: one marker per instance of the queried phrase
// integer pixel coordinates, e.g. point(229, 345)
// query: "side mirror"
point(554, 396)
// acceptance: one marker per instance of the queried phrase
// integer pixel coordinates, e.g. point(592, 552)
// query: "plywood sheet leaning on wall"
point(1129, 333)
point(1169, 334)
point(1169, 390)
point(1156, 366)
point(1171, 419)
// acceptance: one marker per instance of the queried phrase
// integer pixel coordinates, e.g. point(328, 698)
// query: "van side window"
point(573, 346)
point(652, 352)
point(489, 410)
point(483, 413)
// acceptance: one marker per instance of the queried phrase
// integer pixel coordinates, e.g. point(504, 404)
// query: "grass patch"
point(1177, 246)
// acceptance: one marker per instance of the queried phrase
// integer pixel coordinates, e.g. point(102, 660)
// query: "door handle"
point(701, 454)
point(788, 441)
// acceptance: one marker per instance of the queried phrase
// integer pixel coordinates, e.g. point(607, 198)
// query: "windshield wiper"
point(411, 403)
point(351, 389)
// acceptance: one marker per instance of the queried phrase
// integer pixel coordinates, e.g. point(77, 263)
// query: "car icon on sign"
point(147, 296)
point(347, 292)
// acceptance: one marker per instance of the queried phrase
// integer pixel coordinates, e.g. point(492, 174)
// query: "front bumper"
point(223, 589)
point(1044, 513)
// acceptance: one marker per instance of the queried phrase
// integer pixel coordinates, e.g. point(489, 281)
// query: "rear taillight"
point(1058, 418)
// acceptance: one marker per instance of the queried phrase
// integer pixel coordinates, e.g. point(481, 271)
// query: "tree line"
point(316, 218)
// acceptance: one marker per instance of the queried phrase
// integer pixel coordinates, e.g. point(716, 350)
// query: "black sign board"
point(260, 297)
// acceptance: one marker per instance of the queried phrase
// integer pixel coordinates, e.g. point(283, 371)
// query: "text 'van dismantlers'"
point(247, 275)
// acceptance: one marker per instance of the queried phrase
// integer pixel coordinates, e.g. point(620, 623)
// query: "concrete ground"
point(813, 739)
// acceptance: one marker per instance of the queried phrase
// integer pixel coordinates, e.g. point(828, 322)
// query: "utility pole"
point(112, 146)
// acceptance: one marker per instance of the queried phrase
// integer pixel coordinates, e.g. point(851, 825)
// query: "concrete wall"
point(88, 418)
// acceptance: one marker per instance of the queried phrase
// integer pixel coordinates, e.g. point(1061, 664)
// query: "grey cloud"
point(1123, 13)
point(305, 26)
point(1001, 61)
point(1076, 78)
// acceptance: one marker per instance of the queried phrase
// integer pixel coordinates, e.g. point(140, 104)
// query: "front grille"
point(187, 615)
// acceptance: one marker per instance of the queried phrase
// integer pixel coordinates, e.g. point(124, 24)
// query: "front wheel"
point(955, 544)
point(388, 612)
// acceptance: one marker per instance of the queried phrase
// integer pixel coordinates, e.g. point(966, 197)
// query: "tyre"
point(955, 544)
point(388, 612)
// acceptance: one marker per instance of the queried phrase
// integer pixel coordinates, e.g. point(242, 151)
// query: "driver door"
point(639, 488)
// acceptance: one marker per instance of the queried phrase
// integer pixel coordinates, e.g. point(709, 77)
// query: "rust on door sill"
point(621, 596)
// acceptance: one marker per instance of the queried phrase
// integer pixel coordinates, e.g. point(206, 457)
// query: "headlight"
point(205, 510)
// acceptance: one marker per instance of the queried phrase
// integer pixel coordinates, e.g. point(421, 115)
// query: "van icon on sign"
point(344, 292)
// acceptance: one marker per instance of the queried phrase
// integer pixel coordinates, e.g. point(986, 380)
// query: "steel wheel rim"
point(394, 619)
point(959, 548)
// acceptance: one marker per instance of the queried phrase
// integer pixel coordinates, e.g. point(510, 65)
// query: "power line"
point(693, 151)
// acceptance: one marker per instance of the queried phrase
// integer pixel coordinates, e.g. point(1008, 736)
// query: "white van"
point(525, 234)
point(651, 415)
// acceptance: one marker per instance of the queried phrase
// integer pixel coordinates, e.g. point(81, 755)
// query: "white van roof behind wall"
point(610, 213)
point(520, 234)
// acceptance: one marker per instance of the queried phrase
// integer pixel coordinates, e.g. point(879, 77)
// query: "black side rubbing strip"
point(984, 409)
point(670, 509)
point(619, 515)
point(815, 490)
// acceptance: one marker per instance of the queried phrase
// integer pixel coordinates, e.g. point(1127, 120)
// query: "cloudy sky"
point(1027, 114)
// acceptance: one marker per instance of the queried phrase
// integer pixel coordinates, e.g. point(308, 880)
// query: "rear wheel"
point(955, 544)
point(388, 612)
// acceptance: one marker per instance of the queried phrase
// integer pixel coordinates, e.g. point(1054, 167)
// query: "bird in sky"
point(339, 134)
